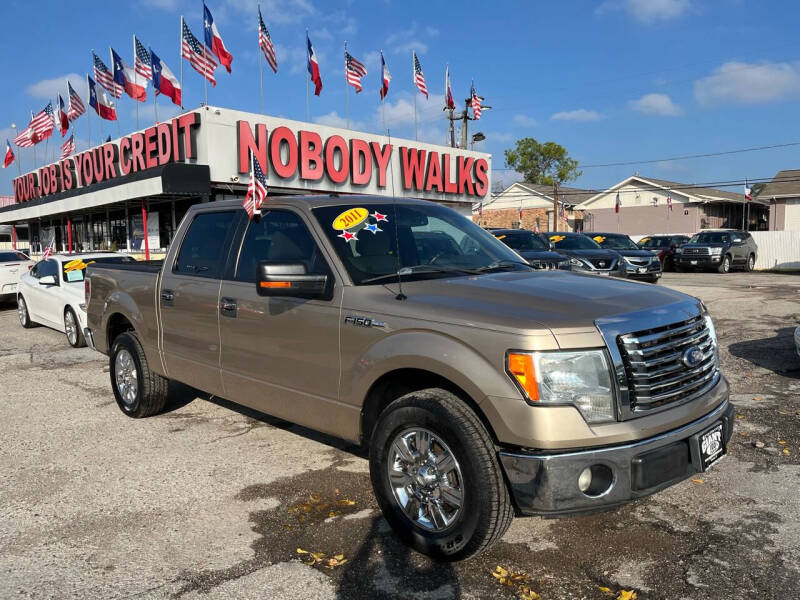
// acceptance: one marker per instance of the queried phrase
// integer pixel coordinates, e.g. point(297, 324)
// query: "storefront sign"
point(358, 162)
point(172, 141)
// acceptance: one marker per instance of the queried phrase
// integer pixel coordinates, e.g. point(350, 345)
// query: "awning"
point(174, 179)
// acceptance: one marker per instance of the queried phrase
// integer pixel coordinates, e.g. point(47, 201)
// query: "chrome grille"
point(603, 264)
point(696, 251)
point(639, 262)
point(655, 367)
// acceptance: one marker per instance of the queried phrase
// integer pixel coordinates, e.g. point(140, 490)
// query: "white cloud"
point(749, 83)
point(656, 104)
point(647, 11)
point(48, 88)
point(524, 121)
point(582, 115)
point(274, 11)
point(169, 5)
point(411, 38)
point(334, 119)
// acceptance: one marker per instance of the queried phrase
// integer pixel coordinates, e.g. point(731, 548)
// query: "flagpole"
point(135, 80)
point(308, 101)
point(180, 54)
point(205, 77)
point(346, 88)
point(88, 113)
point(414, 81)
point(16, 135)
point(260, 67)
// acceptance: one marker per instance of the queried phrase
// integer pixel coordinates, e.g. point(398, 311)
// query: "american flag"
point(669, 202)
point(475, 101)
point(562, 213)
point(48, 251)
point(105, 78)
point(256, 188)
point(198, 55)
point(354, 70)
point(419, 78)
point(43, 123)
point(141, 60)
point(68, 147)
point(25, 138)
point(75, 107)
point(265, 42)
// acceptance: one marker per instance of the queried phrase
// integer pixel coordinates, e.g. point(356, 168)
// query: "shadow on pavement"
point(776, 354)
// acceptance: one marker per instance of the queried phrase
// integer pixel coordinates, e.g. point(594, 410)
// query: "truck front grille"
point(696, 251)
point(658, 369)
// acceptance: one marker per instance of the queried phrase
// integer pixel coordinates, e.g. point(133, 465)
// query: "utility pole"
point(555, 205)
point(464, 117)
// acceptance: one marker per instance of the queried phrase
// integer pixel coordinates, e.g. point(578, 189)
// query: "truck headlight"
point(678, 250)
point(712, 333)
point(715, 250)
point(581, 379)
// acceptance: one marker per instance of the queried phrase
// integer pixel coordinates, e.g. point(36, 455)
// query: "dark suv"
point(721, 249)
point(664, 246)
point(639, 264)
point(532, 248)
point(586, 255)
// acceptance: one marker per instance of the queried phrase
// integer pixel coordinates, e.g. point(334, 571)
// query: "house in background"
point(536, 203)
point(783, 195)
point(645, 210)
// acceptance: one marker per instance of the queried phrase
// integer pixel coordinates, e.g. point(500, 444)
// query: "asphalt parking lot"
point(213, 500)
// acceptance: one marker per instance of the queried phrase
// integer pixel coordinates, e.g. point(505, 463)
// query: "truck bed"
point(145, 266)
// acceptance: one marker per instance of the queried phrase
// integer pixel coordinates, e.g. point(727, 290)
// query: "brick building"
point(535, 202)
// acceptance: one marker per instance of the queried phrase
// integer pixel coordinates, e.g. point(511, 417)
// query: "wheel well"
point(117, 324)
point(393, 385)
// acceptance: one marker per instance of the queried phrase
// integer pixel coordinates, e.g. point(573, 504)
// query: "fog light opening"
point(595, 481)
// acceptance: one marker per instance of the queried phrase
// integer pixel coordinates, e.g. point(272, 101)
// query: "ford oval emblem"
point(692, 356)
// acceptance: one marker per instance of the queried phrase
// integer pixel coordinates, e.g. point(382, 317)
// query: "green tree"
point(542, 163)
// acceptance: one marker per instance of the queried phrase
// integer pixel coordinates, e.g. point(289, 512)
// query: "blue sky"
point(611, 80)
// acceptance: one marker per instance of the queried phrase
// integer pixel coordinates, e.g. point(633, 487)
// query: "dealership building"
point(131, 193)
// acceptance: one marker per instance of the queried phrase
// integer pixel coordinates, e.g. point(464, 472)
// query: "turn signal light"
point(521, 367)
point(276, 284)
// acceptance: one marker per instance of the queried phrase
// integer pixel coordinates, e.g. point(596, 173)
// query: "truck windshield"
point(710, 237)
point(615, 242)
point(524, 241)
point(655, 242)
point(573, 242)
point(375, 241)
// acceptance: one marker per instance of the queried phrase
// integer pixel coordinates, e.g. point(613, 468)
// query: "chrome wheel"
point(22, 311)
point(71, 327)
point(126, 377)
point(425, 478)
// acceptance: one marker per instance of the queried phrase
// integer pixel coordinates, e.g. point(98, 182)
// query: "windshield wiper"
point(502, 264)
point(420, 269)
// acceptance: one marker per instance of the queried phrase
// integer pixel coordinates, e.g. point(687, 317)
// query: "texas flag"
point(386, 77)
point(214, 39)
point(101, 104)
point(126, 77)
point(313, 67)
point(164, 81)
point(748, 192)
point(9, 155)
point(448, 91)
point(61, 117)
point(617, 204)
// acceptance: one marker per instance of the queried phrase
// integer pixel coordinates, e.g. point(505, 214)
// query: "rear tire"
point(139, 392)
point(750, 264)
point(473, 481)
point(72, 329)
point(23, 314)
point(725, 265)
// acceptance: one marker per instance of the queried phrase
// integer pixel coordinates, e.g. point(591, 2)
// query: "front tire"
point(72, 329)
point(23, 314)
point(436, 477)
point(139, 392)
point(725, 265)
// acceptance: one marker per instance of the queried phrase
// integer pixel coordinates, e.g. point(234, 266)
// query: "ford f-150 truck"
point(483, 387)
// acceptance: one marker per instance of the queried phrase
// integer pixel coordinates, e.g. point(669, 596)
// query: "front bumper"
point(547, 484)
point(703, 261)
point(644, 271)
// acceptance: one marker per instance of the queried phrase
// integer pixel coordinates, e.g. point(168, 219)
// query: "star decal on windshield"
point(347, 236)
point(373, 228)
point(379, 216)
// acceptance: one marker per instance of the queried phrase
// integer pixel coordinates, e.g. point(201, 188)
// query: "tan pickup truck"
point(483, 388)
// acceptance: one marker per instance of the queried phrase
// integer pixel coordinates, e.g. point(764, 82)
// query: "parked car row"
point(616, 254)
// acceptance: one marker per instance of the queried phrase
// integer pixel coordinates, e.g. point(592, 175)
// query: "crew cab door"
point(189, 299)
point(280, 355)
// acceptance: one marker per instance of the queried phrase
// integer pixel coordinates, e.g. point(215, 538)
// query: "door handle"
point(227, 307)
point(167, 297)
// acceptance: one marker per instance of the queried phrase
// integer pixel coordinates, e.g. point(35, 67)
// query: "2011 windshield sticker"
point(352, 221)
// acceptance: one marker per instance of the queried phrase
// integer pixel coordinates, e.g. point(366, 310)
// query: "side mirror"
point(48, 280)
point(289, 280)
point(551, 245)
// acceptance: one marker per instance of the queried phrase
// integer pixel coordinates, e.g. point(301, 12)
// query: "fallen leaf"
point(758, 444)
point(527, 593)
point(346, 502)
point(301, 551)
point(740, 416)
point(626, 595)
point(287, 527)
point(333, 513)
point(782, 442)
point(697, 480)
point(318, 555)
point(786, 451)
point(315, 498)
point(605, 590)
point(757, 399)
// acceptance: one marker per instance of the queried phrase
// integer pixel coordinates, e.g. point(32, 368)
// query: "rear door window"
point(205, 245)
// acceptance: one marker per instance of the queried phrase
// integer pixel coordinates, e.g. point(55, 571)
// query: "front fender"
point(443, 355)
